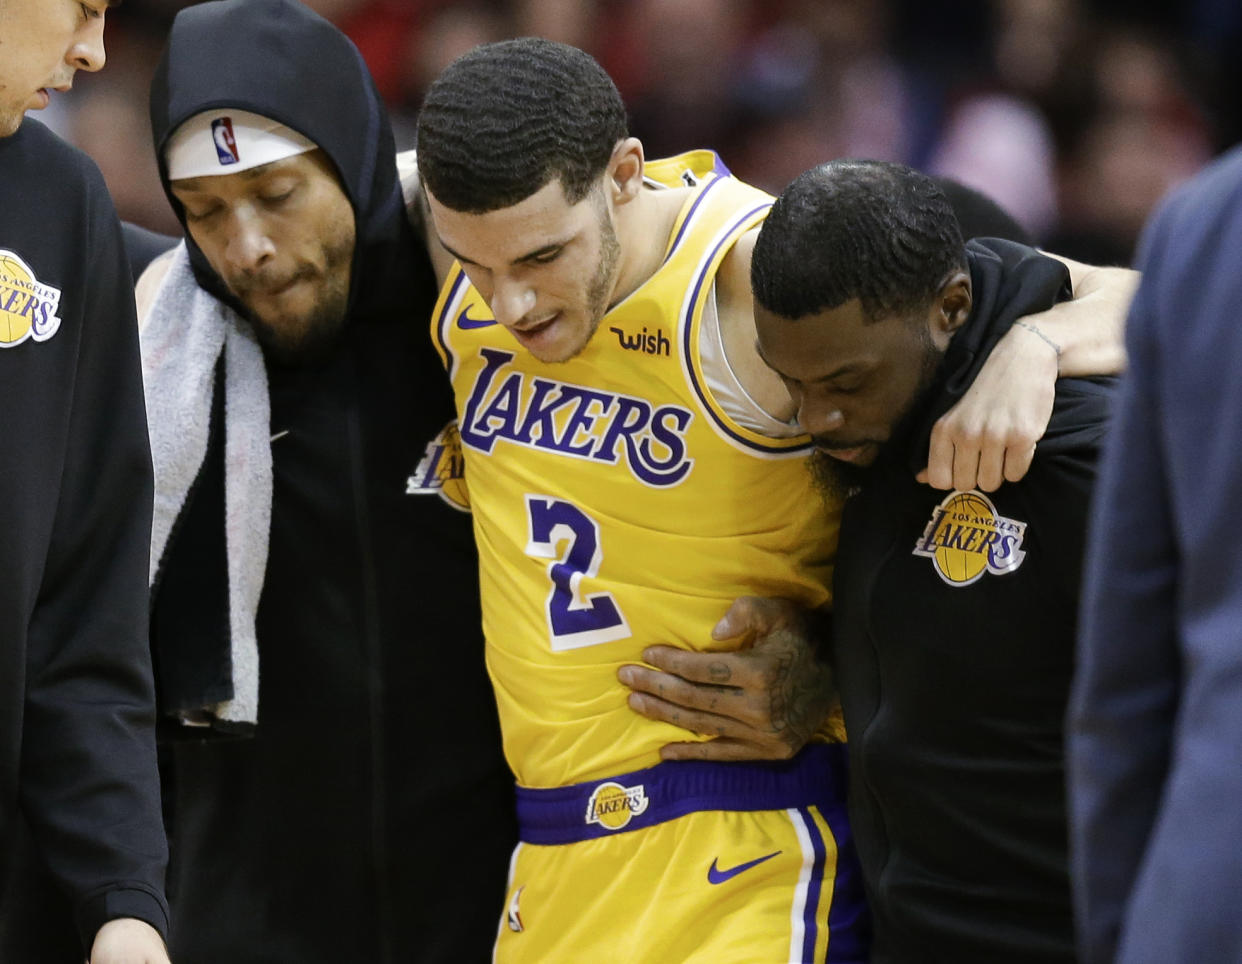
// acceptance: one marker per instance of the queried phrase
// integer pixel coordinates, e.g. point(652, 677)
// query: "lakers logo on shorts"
point(966, 537)
point(613, 806)
point(442, 470)
point(27, 307)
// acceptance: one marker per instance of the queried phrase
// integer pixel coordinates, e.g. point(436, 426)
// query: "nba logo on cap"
point(226, 143)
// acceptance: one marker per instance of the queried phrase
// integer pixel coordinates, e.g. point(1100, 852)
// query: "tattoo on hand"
point(719, 672)
point(800, 696)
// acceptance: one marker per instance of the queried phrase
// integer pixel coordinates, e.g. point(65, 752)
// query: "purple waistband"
point(643, 798)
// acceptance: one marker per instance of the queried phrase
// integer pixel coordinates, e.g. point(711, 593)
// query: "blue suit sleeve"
point(1156, 719)
point(1125, 693)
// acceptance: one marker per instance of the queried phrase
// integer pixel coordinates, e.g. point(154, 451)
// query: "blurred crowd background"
point(1077, 115)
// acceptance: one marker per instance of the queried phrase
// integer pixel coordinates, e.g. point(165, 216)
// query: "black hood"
point(279, 59)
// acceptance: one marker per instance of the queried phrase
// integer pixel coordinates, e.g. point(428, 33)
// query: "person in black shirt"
point(78, 779)
point(954, 614)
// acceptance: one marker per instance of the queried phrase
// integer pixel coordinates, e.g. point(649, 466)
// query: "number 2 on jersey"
point(573, 621)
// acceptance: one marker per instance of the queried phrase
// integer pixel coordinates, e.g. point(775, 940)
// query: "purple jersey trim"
point(676, 788)
point(685, 224)
point(809, 929)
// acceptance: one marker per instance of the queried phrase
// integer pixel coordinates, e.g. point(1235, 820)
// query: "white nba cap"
point(227, 141)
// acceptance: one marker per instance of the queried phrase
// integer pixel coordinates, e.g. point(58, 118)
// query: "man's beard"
point(311, 340)
point(837, 480)
point(605, 272)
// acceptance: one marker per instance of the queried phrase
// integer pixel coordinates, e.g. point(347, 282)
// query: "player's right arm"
point(149, 283)
point(420, 215)
point(989, 436)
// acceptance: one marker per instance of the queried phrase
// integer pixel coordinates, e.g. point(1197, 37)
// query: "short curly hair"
point(507, 118)
point(871, 230)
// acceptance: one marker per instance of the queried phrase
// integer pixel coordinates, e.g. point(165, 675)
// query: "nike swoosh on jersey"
point(465, 322)
point(717, 876)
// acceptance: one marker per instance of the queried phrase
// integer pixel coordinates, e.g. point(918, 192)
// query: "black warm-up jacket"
point(78, 782)
point(369, 815)
point(954, 690)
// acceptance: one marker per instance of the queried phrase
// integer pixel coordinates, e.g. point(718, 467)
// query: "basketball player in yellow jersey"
point(631, 471)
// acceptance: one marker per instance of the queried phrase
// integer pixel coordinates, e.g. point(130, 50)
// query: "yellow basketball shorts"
point(689, 862)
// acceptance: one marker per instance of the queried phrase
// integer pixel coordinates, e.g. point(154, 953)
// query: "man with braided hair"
point(633, 469)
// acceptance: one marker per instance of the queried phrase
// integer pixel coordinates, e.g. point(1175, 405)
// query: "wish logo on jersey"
point(647, 343)
point(572, 420)
point(442, 470)
point(613, 806)
point(27, 306)
point(967, 537)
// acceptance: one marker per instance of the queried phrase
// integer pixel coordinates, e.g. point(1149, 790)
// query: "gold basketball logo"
point(613, 806)
point(442, 470)
point(967, 537)
point(27, 307)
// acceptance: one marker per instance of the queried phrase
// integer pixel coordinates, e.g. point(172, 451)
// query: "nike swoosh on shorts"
point(717, 876)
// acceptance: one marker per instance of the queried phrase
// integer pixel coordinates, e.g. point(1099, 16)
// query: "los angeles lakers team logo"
point(613, 806)
point(442, 470)
point(967, 537)
point(27, 306)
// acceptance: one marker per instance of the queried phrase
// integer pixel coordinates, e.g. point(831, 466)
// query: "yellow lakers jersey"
point(615, 504)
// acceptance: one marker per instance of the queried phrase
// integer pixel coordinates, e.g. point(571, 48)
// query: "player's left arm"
point(989, 437)
point(762, 702)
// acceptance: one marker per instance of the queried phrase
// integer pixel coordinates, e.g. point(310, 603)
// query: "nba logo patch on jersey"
point(442, 470)
point(967, 537)
point(226, 143)
point(27, 306)
point(613, 806)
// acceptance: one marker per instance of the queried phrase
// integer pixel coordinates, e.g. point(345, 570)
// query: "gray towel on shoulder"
point(183, 336)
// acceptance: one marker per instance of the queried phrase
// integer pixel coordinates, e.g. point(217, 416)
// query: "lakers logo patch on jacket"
point(28, 307)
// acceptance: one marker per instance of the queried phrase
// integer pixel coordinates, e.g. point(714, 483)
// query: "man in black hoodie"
point(78, 780)
point(364, 812)
point(954, 614)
